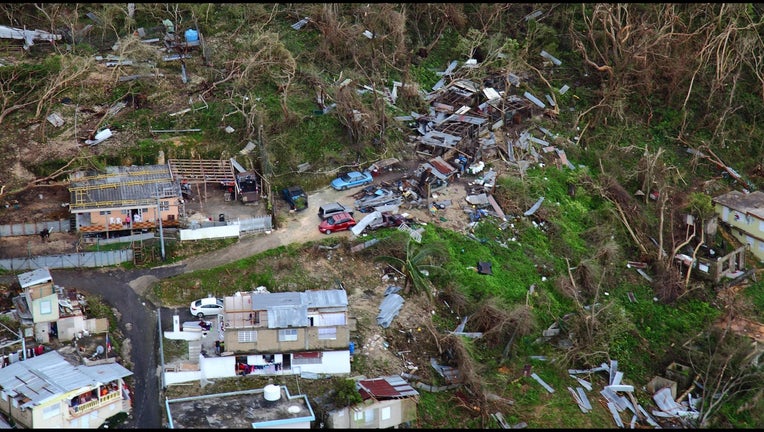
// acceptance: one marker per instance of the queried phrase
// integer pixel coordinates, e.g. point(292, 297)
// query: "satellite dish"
point(99, 349)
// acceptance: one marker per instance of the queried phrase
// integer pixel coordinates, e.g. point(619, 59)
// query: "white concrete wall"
point(181, 377)
point(209, 233)
point(333, 362)
point(217, 367)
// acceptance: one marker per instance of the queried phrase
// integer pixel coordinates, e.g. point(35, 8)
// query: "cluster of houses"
point(287, 333)
point(65, 388)
point(257, 333)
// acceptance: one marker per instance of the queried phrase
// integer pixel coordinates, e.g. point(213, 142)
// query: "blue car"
point(352, 179)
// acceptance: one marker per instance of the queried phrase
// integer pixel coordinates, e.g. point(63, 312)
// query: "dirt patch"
point(42, 203)
point(32, 245)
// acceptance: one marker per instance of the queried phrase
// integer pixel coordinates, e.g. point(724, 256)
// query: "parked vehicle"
point(352, 179)
point(331, 209)
point(295, 197)
point(338, 222)
point(206, 307)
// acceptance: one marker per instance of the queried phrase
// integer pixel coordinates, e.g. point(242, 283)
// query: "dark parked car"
point(295, 197)
point(332, 209)
point(338, 222)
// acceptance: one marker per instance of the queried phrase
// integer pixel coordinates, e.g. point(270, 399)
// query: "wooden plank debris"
point(496, 208)
point(543, 384)
point(550, 100)
point(564, 89)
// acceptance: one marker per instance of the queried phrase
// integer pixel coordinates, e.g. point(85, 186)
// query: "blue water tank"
point(192, 35)
point(352, 348)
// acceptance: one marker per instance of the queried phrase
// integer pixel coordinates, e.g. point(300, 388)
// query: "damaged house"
point(124, 199)
point(49, 310)
point(744, 215)
point(388, 402)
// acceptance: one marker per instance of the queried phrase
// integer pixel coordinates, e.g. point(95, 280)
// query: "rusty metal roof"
point(388, 387)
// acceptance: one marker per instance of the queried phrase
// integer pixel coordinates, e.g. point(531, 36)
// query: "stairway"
point(138, 257)
point(194, 348)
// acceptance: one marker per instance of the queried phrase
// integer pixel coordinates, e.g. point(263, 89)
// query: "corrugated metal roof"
point(34, 277)
point(287, 316)
point(290, 309)
point(326, 298)
point(752, 203)
point(122, 186)
point(388, 387)
point(50, 374)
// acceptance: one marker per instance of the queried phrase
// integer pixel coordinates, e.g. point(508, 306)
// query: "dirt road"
point(299, 227)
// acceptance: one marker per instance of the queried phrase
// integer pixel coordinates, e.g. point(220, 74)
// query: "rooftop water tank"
point(192, 35)
point(272, 393)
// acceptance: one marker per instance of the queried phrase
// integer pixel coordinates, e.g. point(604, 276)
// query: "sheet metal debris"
point(389, 308)
point(28, 36)
point(534, 99)
point(546, 386)
point(534, 207)
point(300, 24)
point(551, 58)
point(55, 119)
point(99, 137)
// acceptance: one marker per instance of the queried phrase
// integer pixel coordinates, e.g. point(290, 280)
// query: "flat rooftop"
point(238, 410)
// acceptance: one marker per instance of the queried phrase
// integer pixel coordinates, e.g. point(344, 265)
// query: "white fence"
point(80, 259)
point(232, 228)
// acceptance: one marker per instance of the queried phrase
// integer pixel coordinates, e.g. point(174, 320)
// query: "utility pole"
point(159, 218)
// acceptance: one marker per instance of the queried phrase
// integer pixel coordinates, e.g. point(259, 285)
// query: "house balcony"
point(95, 404)
point(135, 226)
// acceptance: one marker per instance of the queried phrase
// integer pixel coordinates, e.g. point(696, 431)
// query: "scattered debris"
point(56, 120)
point(543, 384)
point(451, 374)
point(99, 137)
point(534, 207)
point(28, 36)
point(389, 309)
point(300, 24)
point(551, 58)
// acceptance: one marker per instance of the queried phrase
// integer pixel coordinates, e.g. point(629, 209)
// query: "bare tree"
point(727, 365)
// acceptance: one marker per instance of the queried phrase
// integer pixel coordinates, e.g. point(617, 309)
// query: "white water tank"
point(272, 393)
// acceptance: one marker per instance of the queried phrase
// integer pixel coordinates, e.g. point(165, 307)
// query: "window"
point(358, 416)
point(369, 414)
point(247, 336)
point(327, 333)
point(164, 205)
point(385, 413)
point(104, 212)
point(51, 411)
point(287, 335)
point(45, 307)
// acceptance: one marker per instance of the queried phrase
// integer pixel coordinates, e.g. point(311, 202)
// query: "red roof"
point(392, 387)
